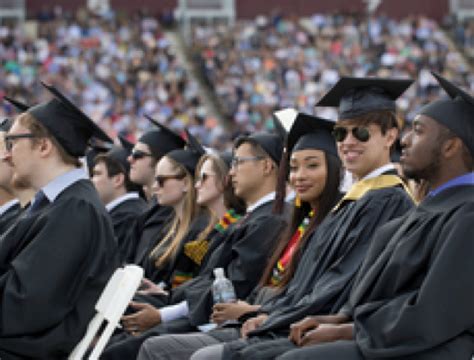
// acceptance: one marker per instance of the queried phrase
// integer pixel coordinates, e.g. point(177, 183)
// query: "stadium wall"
point(436, 9)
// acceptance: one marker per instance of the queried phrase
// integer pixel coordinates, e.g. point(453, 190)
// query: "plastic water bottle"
point(222, 288)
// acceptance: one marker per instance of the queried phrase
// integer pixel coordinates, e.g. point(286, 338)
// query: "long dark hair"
point(327, 201)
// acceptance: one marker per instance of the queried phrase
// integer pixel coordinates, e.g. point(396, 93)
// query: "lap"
point(175, 346)
point(339, 350)
point(267, 349)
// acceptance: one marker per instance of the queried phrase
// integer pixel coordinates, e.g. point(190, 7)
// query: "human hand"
point(299, 329)
point(145, 318)
point(252, 323)
point(327, 333)
point(150, 288)
point(230, 311)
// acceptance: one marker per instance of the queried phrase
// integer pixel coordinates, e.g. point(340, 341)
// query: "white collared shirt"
point(60, 183)
point(267, 198)
point(5, 207)
point(114, 203)
point(379, 171)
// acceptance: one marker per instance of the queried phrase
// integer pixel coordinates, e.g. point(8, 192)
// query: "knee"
point(213, 352)
point(144, 353)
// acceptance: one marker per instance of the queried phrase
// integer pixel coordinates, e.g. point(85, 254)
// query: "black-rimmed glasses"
point(161, 179)
point(236, 161)
point(138, 154)
point(361, 133)
point(10, 139)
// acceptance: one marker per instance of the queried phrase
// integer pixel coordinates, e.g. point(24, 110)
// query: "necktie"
point(39, 201)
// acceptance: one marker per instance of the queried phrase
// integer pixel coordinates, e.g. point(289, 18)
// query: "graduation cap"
point(226, 156)
point(272, 144)
point(120, 155)
point(455, 112)
point(21, 107)
point(70, 126)
point(95, 148)
point(127, 145)
point(311, 132)
point(357, 96)
point(161, 140)
point(188, 157)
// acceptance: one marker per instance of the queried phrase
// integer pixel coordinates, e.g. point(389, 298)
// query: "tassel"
point(297, 201)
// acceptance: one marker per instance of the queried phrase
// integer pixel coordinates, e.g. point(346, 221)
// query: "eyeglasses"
point(361, 133)
point(203, 177)
point(138, 154)
point(10, 139)
point(161, 179)
point(236, 161)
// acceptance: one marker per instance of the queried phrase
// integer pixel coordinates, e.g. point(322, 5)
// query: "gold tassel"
point(297, 201)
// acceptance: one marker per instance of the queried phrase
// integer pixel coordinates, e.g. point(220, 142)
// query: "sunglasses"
point(161, 179)
point(10, 139)
point(361, 133)
point(138, 154)
point(203, 177)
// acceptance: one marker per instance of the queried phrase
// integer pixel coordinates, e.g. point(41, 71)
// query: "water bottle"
point(222, 288)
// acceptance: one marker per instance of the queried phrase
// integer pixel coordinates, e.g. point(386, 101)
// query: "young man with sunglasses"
point(241, 251)
point(146, 153)
point(413, 296)
point(120, 196)
point(365, 133)
point(58, 256)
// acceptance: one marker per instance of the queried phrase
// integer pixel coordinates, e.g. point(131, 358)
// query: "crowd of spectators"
point(276, 62)
point(117, 68)
point(463, 33)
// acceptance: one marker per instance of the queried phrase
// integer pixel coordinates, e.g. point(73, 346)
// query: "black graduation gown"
point(9, 217)
point(180, 263)
point(413, 298)
point(243, 251)
point(147, 229)
point(333, 255)
point(53, 268)
point(124, 216)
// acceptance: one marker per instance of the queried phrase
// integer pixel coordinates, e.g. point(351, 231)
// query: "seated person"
point(315, 174)
point(58, 256)
point(413, 297)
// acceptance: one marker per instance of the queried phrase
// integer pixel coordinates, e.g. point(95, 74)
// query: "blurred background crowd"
point(118, 66)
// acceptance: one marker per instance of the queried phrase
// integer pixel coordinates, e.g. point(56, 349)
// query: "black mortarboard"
point(226, 156)
point(95, 148)
point(161, 140)
point(67, 123)
point(272, 144)
point(190, 156)
point(311, 132)
point(120, 155)
point(21, 107)
point(127, 145)
point(455, 112)
point(357, 96)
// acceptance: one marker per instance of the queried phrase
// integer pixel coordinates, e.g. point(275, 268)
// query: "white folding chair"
point(110, 307)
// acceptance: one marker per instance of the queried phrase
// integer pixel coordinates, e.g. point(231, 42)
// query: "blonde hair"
point(180, 224)
point(221, 170)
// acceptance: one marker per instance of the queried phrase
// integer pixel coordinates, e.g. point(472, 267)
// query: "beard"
point(426, 173)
